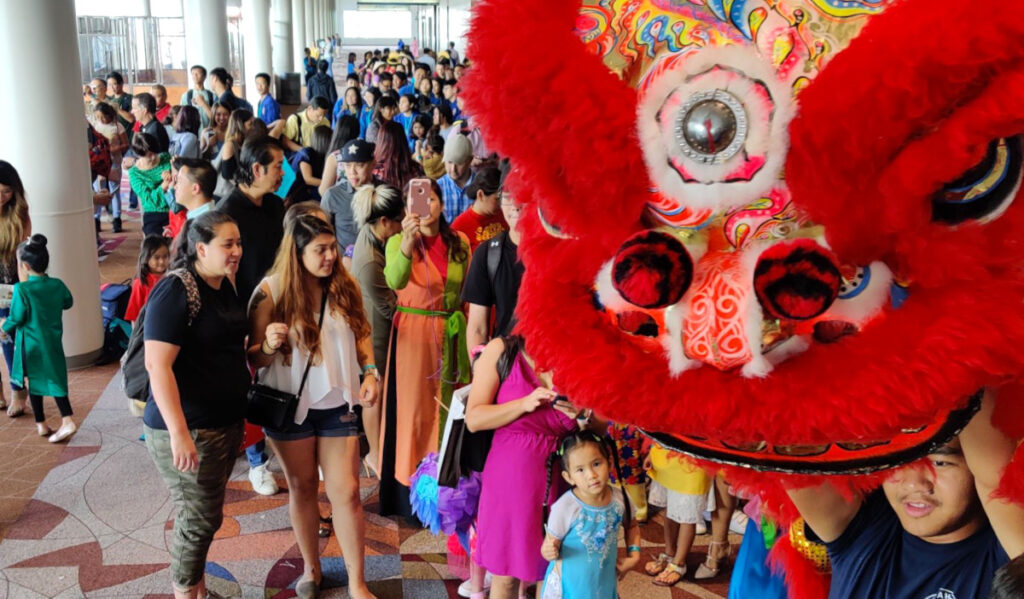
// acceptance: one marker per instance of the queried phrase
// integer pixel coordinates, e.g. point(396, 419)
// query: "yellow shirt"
point(677, 472)
point(299, 128)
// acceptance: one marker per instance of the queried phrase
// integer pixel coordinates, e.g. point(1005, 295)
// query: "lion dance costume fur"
point(780, 236)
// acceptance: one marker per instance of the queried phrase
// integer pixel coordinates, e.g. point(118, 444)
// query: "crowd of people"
point(361, 253)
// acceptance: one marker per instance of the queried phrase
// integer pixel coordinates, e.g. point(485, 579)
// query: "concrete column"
point(319, 18)
point(256, 44)
point(282, 44)
point(310, 22)
point(206, 33)
point(60, 206)
point(299, 34)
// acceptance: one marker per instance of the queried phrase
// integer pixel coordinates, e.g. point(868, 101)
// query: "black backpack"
point(135, 379)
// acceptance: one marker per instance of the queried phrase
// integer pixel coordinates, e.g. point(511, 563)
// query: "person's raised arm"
point(261, 308)
point(397, 264)
point(827, 511)
point(477, 325)
point(482, 413)
point(988, 451)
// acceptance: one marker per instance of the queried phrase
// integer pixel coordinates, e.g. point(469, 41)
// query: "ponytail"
point(201, 229)
point(549, 465)
point(370, 203)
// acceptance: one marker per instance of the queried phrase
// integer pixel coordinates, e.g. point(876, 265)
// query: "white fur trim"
point(869, 303)
point(672, 341)
point(767, 126)
point(607, 294)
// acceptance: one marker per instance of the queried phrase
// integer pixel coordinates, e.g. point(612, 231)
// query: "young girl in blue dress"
point(583, 527)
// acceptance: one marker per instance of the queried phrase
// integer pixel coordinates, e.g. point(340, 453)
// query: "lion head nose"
point(734, 292)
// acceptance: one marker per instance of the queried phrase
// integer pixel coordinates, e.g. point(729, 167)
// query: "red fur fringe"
point(803, 580)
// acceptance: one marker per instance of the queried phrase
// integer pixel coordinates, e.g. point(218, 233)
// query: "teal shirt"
point(36, 320)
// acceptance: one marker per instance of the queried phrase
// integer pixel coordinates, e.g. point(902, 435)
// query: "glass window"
point(377, 24)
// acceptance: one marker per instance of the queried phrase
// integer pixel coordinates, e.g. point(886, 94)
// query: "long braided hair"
point(566, 446)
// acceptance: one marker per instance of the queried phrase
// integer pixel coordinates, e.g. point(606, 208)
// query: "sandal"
point(657, 566)
point(671, 576)
point(326, 522)
point(713, 565)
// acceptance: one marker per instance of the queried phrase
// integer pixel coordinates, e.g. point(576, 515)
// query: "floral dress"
point(585, 567)
point(629, 445)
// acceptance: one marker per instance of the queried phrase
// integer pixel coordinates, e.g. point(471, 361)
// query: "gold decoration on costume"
point(809, 549)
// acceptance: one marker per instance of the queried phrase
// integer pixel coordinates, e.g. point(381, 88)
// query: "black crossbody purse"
point(273, 408)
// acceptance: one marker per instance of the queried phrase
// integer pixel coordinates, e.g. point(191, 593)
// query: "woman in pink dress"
point(528, 423)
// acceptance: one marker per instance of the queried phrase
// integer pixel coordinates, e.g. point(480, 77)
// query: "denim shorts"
point(333, 422)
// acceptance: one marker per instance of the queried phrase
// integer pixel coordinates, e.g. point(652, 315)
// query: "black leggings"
point(37, 406)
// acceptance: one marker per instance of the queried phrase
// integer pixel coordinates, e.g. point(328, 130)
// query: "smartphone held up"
point(419, 197)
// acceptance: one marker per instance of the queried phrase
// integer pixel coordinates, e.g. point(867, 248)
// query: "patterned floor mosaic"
point(98, 526)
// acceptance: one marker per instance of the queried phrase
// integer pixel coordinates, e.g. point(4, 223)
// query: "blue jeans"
point(257, 453)
point(8, 349)
point(115, 197)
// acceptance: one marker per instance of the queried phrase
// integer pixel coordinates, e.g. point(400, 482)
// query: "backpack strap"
point(191, 292)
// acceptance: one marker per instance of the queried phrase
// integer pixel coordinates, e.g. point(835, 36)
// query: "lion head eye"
point(986, 189)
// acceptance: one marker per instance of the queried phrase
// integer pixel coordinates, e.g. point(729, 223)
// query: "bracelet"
point(369, 367)
point(264, 347)
point(633, 549)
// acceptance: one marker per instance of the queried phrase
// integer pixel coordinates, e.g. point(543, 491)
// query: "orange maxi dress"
point(420, 372)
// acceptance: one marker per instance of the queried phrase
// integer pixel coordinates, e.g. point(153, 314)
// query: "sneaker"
point(64, 433)
point(262, 480)
point(465, 586)
point(738, 524)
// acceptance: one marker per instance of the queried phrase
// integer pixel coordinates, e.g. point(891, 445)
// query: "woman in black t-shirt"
point(195, 328)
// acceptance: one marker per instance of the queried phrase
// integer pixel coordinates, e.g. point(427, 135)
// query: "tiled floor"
point(25, 458)
point(91, 518)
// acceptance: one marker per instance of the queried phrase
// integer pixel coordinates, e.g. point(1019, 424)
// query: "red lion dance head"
point(777, 235)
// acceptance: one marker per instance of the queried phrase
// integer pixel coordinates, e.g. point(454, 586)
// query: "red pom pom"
point(796, 280)
point(652, 270)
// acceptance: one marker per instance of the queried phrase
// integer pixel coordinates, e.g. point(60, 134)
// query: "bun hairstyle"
point(487, 180)
point(34, 253)
point(371, 203)
point(144, 143)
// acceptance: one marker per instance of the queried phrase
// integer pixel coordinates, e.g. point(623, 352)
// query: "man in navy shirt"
point(932, 531)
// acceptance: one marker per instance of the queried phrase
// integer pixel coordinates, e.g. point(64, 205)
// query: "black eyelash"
point(984, 189)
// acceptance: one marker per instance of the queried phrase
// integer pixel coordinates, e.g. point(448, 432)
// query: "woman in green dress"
point(36, 322)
